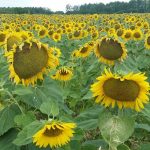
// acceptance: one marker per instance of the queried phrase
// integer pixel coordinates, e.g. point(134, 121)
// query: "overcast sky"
point(54, 5)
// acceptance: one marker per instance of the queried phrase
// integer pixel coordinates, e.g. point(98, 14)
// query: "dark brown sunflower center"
point(56, 37)
point(137, 35)
point(126, 90)
point(84, 50)
point(77, 33)
point(94, 35)
point(42, 32)
point(63, 72)
point(53, 132)
point(127, 35)
point(2, 37)
point(120, 32)
point(148, 40)
point(50, 32)
point(30, 61)
point(110, 49)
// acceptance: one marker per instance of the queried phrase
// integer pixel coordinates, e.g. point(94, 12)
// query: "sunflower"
point(29, 61)
point(56, 37)
point(128, 91)
point(137, 34)
point(56, 51)
point(12, 39)
point(110, 50)
point(50, 33)
point(84, 51)
point(77, 34)
point(63, 74)
point(127, 35)
point(119, 32)
point(3, 36)
point(147, 42)
point(54, 134)
point(95, 35)
point(42, 32)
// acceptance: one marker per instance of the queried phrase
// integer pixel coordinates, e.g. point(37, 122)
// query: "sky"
point(54, 5)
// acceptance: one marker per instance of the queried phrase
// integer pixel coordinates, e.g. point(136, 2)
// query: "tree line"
point(133, 6)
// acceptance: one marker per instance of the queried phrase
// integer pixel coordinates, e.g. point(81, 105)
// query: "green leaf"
point(34, 147)
point(123, 147)
point(49, 108)
point(22, 91)
point(6, 140)
point(143, 126)
point(7, 116)
point(25, 136)
point(145, 146)
point(88, 119)
point(94, 144)
point(25, 119)
point(88, 95)
point(54, 108)
point(46, 108)
point(114, 129)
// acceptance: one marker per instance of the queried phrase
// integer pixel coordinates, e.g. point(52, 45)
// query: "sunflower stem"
point(15, 101)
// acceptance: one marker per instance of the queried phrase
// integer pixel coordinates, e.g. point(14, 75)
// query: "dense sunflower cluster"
point(66, 48)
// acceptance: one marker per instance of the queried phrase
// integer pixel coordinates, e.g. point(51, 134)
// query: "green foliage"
point(25, 136)
point(6, 140)
point(7, 118)
point(115, 129)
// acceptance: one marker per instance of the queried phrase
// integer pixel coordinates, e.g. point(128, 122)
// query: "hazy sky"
point(54, 5)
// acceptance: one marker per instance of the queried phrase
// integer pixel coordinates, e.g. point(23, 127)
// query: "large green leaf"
point(25, 119)
point(50, 107)
point(22, 90)
point(25, 136)
point(145, 146)
point(116, 129)
point(7, 116)
point(6, 140)
point(88, 119)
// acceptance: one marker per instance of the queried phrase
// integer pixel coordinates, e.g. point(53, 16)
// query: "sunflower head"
point(127, 35)
point(54, 134)
point(63, 74)
point(56, 37)
point(110, 50)
point(42, 32)
point(129, 91)
point(147, 41)
point(84, 51)
point(13, 38)
point(3, 36)
point(29, 61)
point(137, 34)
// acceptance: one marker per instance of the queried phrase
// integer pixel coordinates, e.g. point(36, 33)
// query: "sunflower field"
point(75, 82)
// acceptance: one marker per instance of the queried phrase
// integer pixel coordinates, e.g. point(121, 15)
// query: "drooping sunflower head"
point(63, 74)
point(84, 51)
point(110, 50)
point(13, 38)
point(128, 91)
point(29, 61)
point(147, 41)
point(54, 134)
